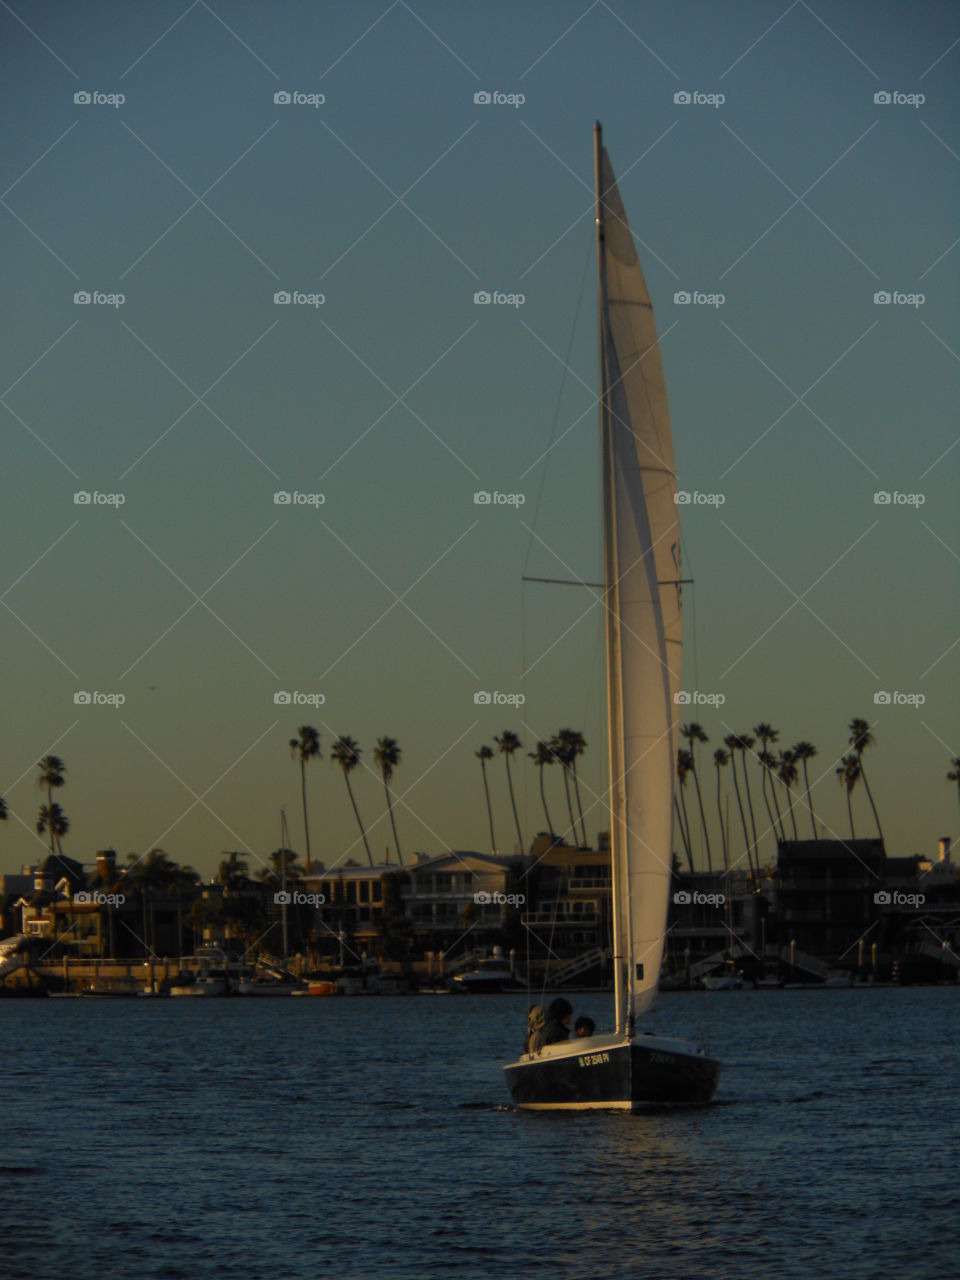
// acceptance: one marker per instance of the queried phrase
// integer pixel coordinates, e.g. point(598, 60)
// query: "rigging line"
point(556, 416)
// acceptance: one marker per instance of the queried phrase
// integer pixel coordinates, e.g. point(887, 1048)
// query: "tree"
point(576, 745)
point(684, 765)
point(721, 759)
point(787, 773)
point(767, 734)
point(307, 746)
point(952, 776)
point(860, 739)
point(232, 872)
point(731, 742)
point(346, 753)
point(848, 774)
point(745, 744)
point(508, 742)
point(693, 733)
point(53, 819)
point(542, 756)
point(483, 755)
point(387, 754)
point(562, 752)
point(52, 775)
point(804, 751)
point(768, 762)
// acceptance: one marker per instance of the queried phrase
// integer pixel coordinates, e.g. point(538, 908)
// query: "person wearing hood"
point(533, 1040)
point(558, 1021)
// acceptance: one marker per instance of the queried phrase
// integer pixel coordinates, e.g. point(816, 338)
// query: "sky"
point(386, 389)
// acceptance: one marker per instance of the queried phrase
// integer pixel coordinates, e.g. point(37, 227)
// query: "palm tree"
point(346, 753)
point(232, 872)
point(576, 745)
point(721, 759)
point(561, 751)
point(768, 762)
point(52, 771)
point(483, 755)
point(543, 755)
point(745, 743)
point(860, 739)
point(684, 767)
point(694, 733)
point(307, 746)
point(848, 774)
point(952, 776)
point(787, 773)
point(508, 742)
point(803, 752)
point(53, 819)
point(3, 809)
point(387, 754)
point(732, 743)
point(767, 735)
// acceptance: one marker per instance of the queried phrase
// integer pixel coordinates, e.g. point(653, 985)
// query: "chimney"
point(943, 845)
point(106, 865)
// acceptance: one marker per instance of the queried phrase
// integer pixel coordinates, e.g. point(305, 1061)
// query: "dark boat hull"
point(627, 1076)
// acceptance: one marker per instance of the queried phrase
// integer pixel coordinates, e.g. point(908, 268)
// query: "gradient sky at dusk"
point(397, 599)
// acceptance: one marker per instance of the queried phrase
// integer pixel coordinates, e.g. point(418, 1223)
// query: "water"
point(311, 1138)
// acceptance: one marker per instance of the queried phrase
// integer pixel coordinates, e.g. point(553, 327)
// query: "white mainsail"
point(643, 612)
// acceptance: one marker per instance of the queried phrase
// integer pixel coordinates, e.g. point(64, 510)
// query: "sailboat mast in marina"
point(644, 639)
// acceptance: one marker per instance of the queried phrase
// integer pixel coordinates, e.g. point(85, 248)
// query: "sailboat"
point(628, 1069)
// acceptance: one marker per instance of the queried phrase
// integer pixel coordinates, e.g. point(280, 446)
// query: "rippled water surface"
point(311, 1138)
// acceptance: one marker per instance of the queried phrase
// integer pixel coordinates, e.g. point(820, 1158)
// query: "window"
point(377, 891)
point(364, 890)
point(352, 891)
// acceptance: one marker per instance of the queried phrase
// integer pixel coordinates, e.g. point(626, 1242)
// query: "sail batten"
point(642, 590)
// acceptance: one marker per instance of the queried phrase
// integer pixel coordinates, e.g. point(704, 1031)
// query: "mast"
point(283, 882)
point(611, 617)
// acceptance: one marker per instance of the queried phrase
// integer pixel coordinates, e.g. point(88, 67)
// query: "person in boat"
point(533, 1040)
point(558, 1021)
point(584, 1027)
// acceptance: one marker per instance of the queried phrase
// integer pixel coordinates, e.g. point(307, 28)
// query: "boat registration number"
point(666, 1058)
point(593, 1059)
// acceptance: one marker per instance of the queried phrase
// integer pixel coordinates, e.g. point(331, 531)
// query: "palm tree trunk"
point(766, 799)
point(363, 833)
point(303, 792)
point(781, 831)
point(543, 801)
point(703, 820)
point(876, 816)
point(513, 802)
point(743, 820)
point(793, 820)
point(566, 787)
point(683, 834)
point(723, 829)
point(853, 834)
point(396, 838)
point(813, 820)
point(686, 819)
point(486, 791)
point(753, 824)
point(50, 813)
point(576, 788)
